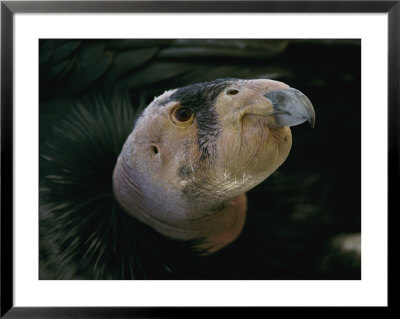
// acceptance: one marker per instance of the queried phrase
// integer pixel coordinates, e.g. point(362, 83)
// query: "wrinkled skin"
point(187, 179)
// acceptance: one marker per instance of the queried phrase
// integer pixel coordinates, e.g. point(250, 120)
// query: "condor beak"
point(291, 107)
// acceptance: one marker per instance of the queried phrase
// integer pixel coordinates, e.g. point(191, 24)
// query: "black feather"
point(201, 97)
point(83, 232)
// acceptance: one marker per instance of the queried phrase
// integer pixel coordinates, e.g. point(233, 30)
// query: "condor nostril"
point(277, 98)
point(232, 92)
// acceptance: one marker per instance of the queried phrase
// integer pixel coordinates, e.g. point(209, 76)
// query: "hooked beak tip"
point(311, 120)
point(292, 106)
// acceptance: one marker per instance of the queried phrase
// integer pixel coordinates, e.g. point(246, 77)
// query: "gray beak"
point(291, 107)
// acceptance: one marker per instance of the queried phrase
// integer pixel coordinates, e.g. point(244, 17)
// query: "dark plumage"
point(201, 98)
point(83, 232)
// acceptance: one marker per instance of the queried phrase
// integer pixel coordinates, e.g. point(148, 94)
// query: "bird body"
point(181, 175)
point(186, 177)
point(93, 91)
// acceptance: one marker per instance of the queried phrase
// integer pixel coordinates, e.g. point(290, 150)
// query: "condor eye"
point(183, 114)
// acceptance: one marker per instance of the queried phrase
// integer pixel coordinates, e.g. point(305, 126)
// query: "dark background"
point(296, 214)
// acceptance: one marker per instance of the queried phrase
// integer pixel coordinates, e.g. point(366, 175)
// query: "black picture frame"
point(9, 8)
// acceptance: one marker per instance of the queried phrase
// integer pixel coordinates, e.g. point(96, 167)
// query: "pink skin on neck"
point(212, 231)
point(231, 218)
